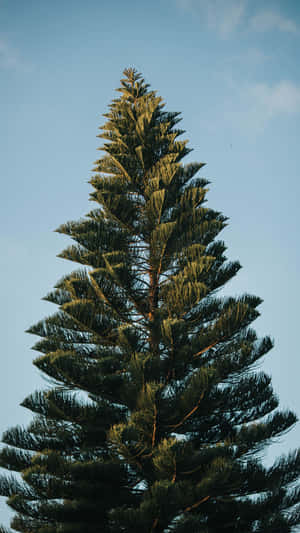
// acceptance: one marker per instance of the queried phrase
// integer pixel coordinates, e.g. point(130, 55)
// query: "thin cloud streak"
point(227, 17)
point(282, 98)
point(254, 106)
point(223, 17)
point(270, 20)
point(10, 58)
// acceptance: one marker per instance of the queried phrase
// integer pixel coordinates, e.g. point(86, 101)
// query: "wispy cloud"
point(253, 106)
point(280, 99)
point(224, 17)
point(186, 5)
point(270, 20)
point(10, 58)
point(227, 16)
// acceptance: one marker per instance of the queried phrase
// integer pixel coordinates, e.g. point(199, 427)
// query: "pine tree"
point(158, 414)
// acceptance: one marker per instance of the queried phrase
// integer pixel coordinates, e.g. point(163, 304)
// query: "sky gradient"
point(232, 68)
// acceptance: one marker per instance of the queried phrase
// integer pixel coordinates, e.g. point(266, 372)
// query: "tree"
point(157, 415)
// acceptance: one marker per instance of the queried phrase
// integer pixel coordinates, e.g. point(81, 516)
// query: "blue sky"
point(232, 68)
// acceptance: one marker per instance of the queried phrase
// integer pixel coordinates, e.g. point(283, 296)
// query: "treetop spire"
point(133, 84)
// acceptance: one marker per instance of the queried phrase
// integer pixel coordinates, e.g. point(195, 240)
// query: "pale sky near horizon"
point(232, 68)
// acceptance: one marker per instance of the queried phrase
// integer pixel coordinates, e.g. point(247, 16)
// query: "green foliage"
point(157, 413)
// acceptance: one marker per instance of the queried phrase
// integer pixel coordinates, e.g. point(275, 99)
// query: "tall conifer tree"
point(157, 415)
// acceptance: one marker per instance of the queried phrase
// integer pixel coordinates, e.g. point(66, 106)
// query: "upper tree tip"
point(132, 74)
point(130, 71)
